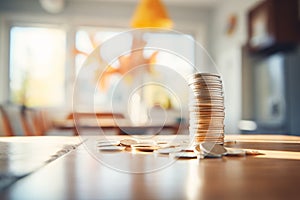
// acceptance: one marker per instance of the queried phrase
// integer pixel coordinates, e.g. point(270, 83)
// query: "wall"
point(3, 62)
point(226, 51)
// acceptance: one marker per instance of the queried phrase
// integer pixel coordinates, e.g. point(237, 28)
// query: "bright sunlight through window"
point(37, 66)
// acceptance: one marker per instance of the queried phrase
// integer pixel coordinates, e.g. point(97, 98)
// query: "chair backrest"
point(5, 125)
point(14, 117)
point(37, 120)
point(22, 121)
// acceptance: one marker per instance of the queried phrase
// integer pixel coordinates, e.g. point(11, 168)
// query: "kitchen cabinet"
point(273, 25)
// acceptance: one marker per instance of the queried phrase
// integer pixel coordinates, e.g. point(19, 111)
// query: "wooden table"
point(79, 175)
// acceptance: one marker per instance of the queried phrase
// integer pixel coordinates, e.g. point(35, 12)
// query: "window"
point(37, 66)
point(87, 39)
point(38, 58)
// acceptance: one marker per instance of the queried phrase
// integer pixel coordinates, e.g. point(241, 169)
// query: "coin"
point(205, 113)
point(207, 102)
point(108, 143)
point(185, 155)
point(206, 108)
point(213, 133)
point(168, 150)
point(207, 87)
point(235, 152)
point(199, 132)
point(128, 142)
point(144, 147)
point(253, 153)
point(210, 94)
point(213, 148)
point(204, 78)
point(205, 119)
point(206, 127)
point(206, 137)
point(209, 155)
point(205, 74)
point(111, 148)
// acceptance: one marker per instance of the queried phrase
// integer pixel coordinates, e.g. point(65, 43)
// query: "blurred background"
point(254, 43)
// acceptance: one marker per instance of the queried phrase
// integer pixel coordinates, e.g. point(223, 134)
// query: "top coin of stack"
point(206, 108)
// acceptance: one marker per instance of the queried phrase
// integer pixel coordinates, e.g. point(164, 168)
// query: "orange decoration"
point(151, 13)
point(129, 62)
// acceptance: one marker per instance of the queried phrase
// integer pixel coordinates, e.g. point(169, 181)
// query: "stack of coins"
point(206, 108)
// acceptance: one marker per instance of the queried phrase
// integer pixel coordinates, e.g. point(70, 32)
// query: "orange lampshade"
point(151, 13)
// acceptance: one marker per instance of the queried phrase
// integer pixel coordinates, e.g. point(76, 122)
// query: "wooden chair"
point(35, 121)
point(5, 123)
point(23, 121)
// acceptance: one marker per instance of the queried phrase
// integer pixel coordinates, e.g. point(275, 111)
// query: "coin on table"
point(168, 150)
point(128, 142)
point(161, 142)
point(185, 155)
point(210, 155)
point(235, 152)
point(108, 143)
point(205, 154)
point(197, 149)
point(144, 147)
point(111, 148)
point(253, 153)
point(213, 148)
point(168, 145)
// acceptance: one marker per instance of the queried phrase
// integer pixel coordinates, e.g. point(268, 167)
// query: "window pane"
point(87, 39)
point(37, 66)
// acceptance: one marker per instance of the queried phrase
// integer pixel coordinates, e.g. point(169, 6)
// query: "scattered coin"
point(128, 142)
point(235, 152)
point(161, 142)
point(185, 155)
point(212, 148)
point(171, 145)
point(210, 155)
point(108, 143)
point(168, 150)
point(144, 147)
point(111, 148)
point(253, 153)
